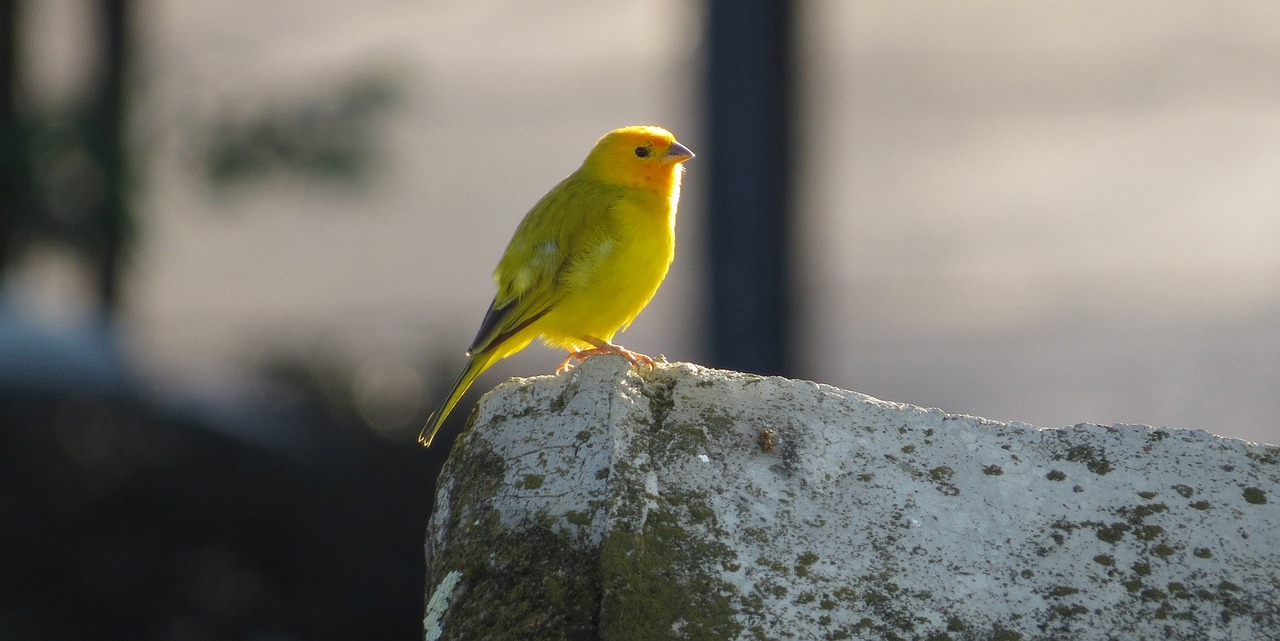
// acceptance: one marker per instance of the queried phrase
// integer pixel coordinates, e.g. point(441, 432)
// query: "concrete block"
point(688, 503)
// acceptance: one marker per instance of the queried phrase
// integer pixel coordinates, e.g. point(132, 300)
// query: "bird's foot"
point(603, 347)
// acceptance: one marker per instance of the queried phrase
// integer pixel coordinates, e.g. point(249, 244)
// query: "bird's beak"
point(678, 152)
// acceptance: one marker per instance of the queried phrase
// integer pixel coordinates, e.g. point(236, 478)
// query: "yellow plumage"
point(585, 260)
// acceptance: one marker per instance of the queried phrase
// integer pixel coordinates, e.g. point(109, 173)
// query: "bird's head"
point(640, 156)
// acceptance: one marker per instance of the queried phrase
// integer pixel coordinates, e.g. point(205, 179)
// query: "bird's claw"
point(635, 358)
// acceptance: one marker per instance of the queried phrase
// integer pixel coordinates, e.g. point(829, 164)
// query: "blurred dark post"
point(11, 152)
point(110, 227)
point(103, 236)
point(749, 165)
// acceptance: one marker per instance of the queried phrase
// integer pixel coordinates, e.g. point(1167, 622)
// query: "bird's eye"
point(641, 152)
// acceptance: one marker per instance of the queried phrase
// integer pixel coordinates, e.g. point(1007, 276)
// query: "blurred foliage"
point(383, 393)
point(331, 136)
point(57, 182)
point(68, 183)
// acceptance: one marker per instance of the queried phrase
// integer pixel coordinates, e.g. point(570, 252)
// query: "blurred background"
point(243, 246)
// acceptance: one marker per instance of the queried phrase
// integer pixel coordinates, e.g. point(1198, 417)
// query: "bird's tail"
point(476, 366)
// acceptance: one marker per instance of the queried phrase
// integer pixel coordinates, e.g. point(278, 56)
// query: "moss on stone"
point(1112, 533)
point(1091, 457)
point(687, 438)
point(1065, 525)
point(773, 564)
point(1149, 509)
point(543, 596)
point(941, 476)
point(1148, 532)
point(1154, 594)
point(1003, 634)
point(1072, 610)
point(663, 581)
point(1269, 455)
point(1255, 495)
point(658, 583)
point(717, 424)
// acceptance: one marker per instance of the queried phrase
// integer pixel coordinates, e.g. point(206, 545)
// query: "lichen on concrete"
point(614, 504)
point(519, 522)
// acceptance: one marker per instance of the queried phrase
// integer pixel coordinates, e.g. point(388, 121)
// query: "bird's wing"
point(550, 243)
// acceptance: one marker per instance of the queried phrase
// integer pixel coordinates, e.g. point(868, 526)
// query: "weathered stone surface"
point(702, 504)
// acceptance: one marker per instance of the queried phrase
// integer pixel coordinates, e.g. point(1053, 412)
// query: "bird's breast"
point(620, 272)
point(634, 261)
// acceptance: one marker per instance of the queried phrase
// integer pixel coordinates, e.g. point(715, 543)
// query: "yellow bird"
point(585, 260)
